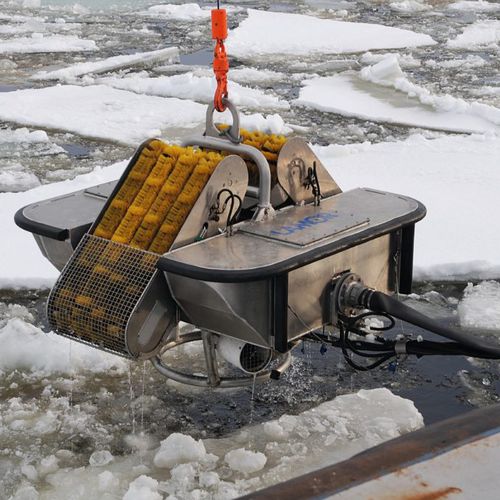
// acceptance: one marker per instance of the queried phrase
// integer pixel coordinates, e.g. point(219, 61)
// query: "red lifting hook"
point(221, 64)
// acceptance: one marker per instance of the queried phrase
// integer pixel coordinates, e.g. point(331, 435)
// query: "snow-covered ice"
point(475, 6)
point(404, 60)
point(266, 33)
point(196, 88)
point(27, 349)
point(102, 112)
point(477, 36)
point(480, 306)
point(255, 76)
point(169, 54)
point(409, 6)
point(455, 177)
point(99, 111)
point(245, 461)
point(13, 178)
point(23, 135)
point(183, 12)
point(52, 43)
point(179, 449)
point(369, 94)
point(469, 62)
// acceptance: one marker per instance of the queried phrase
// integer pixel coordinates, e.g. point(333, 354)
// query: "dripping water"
point(131, 397)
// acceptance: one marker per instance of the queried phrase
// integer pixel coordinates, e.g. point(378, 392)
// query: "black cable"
point(231, 218)
point(380, 302)
point(364, 368)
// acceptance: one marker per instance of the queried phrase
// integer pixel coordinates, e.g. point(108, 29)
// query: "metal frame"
point(213, 379)
point(230, 141)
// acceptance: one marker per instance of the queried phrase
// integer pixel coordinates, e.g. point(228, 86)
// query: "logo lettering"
point(304, 223)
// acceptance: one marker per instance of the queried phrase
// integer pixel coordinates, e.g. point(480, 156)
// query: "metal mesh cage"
point(97, 291)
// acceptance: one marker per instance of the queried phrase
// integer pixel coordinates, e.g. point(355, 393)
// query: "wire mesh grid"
point(97, 291)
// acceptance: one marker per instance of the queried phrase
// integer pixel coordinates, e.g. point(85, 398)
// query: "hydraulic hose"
point(380, 302)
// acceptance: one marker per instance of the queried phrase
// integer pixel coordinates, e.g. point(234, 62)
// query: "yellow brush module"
point(185, 202)
point(143, 200)
point(129, 189)
point(186, 160)
point(268, 144)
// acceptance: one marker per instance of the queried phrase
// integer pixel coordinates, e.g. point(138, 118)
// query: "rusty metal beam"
point(388, 457)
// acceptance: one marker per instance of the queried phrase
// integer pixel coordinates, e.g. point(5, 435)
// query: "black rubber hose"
point(429, 348)
point(380, 302)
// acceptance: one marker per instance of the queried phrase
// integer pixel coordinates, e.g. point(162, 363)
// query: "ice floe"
point(480, 306)
point(369, 94)
point(409, 6)
point(196, 88)
point(99, 111)
point(265, 33)
point(26, 348)
point(255, 76)
point(469, 62)
point(23, 135)
point(479, 35)
point(169, 54)
point(102, 112)
point(475, 5)
point(455, 177)
point(228, 467)
point(183, 12)
point(13, 178)
point(38, 43)
point(404, 60)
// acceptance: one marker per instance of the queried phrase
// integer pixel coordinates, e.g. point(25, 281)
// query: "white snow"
point(28, 349)
point(245, 461)
point(179, 449)
point(169, 54)
point(477, 6)
point(265, 33)
point(479, 35)
point(183, 12)
point(455, 177)
point(53, 43)
point(409, 6)
point(480, 306)
point(370, 95)
point(196, 88)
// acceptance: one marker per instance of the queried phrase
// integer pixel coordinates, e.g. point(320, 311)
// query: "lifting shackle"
point(221, 64)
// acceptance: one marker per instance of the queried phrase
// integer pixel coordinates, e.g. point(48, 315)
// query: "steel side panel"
point(306, 302)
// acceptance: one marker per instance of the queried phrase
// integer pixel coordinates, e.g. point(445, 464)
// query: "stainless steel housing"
point(267, 281)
